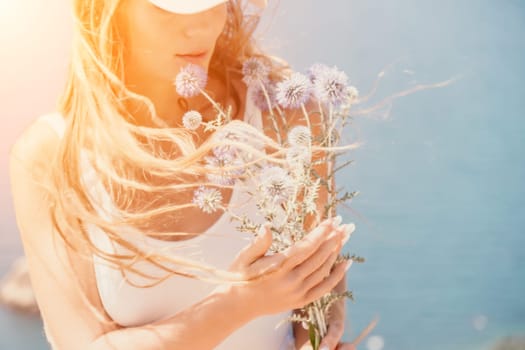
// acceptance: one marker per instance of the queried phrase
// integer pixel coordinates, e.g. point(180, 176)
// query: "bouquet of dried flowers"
point(286, 193)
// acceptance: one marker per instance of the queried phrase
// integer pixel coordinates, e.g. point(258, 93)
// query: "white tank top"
point(133, 306)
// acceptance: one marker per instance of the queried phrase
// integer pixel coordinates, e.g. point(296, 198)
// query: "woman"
point(90, 186)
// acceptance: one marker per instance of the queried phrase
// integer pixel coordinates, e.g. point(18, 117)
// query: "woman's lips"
point(194, 58)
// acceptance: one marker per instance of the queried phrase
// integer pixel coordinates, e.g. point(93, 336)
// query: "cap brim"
point(186, 6)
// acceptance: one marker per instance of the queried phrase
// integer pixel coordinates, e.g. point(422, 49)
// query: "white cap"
point(186, 6)
point(194, 6)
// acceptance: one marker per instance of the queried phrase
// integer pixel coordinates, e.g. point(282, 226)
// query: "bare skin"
point(152, 39)
point(292, 278)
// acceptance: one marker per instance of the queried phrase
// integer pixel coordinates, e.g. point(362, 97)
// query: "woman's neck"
point(169, 106)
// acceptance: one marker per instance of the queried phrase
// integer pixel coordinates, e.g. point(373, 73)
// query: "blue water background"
point(441, 209)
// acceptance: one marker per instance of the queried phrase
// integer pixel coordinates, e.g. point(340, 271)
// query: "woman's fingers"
point(334, 334)
point(295, 254)
point(320, 273)
point(313, 272)
point(255, 250)
point(302, 273)
point(329, 282)
point(319, 259)
point(326, 251)
point(307, 246)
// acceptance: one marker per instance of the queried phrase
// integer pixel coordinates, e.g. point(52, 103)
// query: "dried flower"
point(223, 158)
point(190, 80)
point(331, 86)
point(207, 199)
point(191, 120)
point(310, 198)
point(254, 70)
point(273, 214)
point(276, 184)
point(259, 99)
point(353, 93)
point(294, 91)
point(284, 194)
point(229, 134)
point(315, 70)
point(245, 155)
point(298, 157)
point(300, 136)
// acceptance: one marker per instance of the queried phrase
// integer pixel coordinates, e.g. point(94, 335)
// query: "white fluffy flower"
point(294, 91)
point(331, 86)
point(191, 80)
point(207, 199)
point(300, 136)
point(298, 157)
point(353, 93)
point(254, 71)
point(191, 120)
point(315, 70)
point(224, 157)
point(276, 184)
point(261, 100)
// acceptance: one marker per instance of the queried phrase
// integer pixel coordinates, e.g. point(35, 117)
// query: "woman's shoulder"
point(38, 141)
point(62, 279)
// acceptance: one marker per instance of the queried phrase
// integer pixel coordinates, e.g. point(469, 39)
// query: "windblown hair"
point(124, 157)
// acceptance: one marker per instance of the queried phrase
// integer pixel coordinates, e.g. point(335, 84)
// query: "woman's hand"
point(294, 277)
point(335, 332)
point(331, 339)
point(336, 327)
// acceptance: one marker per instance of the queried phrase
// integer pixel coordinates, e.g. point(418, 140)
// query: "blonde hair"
point(94, 104)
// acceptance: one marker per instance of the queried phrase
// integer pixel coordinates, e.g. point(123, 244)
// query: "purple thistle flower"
point(294, 91)
point(190, 80)
point(276, 184)
point(191, 120)
point(207, 199)
point(259, 99)
point(300, 136)
point(297, 157)
point(353, 93)
point(254, 70)
point(316, 69)
point(223, 157)
point(331, 86)
point(228, 134)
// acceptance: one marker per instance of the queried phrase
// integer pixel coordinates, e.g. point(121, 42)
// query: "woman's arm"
point(60, 282)
point(201, 327)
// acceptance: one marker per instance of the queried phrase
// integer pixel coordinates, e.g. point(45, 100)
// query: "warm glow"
point(35, 39)
point(15, 17)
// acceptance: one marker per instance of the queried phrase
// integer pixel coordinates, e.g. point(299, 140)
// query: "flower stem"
point(272, 115)
point(215, 105)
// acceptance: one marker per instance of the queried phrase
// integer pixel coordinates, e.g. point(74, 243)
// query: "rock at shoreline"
point(16, 290)
point(510, 343)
